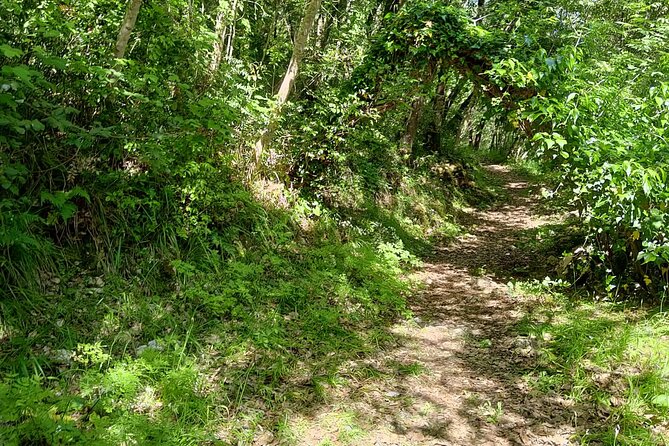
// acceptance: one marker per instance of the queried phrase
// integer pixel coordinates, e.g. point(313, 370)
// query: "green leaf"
point(79, 192)
point(10, 52)
point(661, 400)
point(36, 125)
point(68, 210)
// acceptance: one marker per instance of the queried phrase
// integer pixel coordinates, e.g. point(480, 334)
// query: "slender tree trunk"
point(306, 25)
point(391, 6)
point(480, 7)
point(336, 17)
point(127, 26)
point(233, 31)
point(458, 120)
point(455, 121)
point(478, 135)
point(467, 126)
point(453, 95)
point(220, 30)
point(270, 34)
point(433, 141)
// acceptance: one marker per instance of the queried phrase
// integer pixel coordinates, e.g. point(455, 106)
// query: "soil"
point(457, 378)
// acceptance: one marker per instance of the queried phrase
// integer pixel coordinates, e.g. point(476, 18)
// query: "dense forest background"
point(202, 189)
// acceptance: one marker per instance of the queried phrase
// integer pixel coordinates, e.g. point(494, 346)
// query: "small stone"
point(63, 356)
point(151, 345)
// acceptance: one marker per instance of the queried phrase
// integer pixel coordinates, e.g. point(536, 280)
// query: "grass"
point(408, 369)
point(492, 412)
point(213, 340)
point(100, 359)
point(607, 359)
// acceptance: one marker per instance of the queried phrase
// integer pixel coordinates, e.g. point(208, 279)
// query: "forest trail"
point(457, 377)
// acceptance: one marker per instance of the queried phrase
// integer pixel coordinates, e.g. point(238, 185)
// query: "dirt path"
point(458, 376)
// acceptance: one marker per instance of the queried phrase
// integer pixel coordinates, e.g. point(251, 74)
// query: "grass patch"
point(407, 369)
point(610, 360)
point(200, 351)
point(213, 338)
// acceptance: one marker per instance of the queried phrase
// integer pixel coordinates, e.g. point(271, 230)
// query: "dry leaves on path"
point(468, 387)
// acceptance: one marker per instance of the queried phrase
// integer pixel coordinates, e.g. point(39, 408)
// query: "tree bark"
point(480, 7)
point(433, 140)
point(409, 136)
point(453, 95)
point(220, 30)
point(233, 31)
point(270, 34)
point(127, 26)
point(454, 123)
point(407, 140)
point(306, 25)
point(335, 17)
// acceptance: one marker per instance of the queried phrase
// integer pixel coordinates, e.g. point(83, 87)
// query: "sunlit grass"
point(609, 359)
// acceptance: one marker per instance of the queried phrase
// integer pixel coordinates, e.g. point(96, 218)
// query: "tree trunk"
point(306, 25)
point(407, 140)
point(453, 95)
point(336, 17)
point(455, 121)
point(127, 26)
point(433, 140)
point(480, 7)
point(233, 31)
point(270, 34)
point(220, 30)
point(478, 135)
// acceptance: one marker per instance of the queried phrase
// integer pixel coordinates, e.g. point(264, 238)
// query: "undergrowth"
point(208, 339)
point(608, 360)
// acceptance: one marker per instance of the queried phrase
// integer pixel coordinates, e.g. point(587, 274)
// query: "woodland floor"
point(457, 374)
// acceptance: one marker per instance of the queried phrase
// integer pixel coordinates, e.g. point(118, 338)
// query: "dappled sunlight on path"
point(458, 375)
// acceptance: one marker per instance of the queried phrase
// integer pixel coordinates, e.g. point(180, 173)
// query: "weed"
point(480, 271)
point(407, 369)
point(485, 343)
point(427, 409)
point(492, 413)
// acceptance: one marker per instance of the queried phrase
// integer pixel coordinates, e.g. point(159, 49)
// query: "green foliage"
point(160, 286)
point(150, 295)
point(277, 304)
point(600, 122)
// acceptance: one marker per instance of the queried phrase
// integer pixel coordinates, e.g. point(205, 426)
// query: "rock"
point(62, 356)
point(151, 345)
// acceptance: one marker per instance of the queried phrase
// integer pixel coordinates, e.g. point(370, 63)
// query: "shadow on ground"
point(468, 363)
